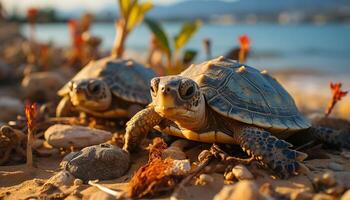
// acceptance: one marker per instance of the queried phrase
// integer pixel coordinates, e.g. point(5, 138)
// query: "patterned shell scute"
point(127, 79)
point(247, 95)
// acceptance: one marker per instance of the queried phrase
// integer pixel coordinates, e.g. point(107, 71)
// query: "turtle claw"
point(273, 152)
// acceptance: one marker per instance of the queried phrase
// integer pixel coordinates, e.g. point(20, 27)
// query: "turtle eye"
point(187, 89)
point(94, 87)
point(154, 85)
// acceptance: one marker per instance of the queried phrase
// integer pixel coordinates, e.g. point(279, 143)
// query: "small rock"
point(246, 190)
point(62, 178)
point(101, 162)
point(180, 167)
point(242, 173)
point(66, 136)
point(10, 107)
point(204, 179)
point(335, 166)
point(42, 86)
point(78, 182)
point(174, 153)
point(346, 195)
point(345, 154)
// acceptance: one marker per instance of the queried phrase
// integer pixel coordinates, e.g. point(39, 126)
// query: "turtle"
point(107, 88)
point(223, 101)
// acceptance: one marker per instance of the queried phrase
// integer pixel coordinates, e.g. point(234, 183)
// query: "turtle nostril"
point(165, 89)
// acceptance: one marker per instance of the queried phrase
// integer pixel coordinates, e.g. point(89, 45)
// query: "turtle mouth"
point(172, 111)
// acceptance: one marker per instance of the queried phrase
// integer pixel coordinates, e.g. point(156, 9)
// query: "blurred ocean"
point(324, 47)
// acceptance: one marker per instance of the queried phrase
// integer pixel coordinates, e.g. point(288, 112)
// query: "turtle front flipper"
point(138, 127)
point(64, 107)
point(271, 151)
point(332, 137)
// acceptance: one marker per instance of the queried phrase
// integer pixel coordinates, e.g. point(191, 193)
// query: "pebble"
point(179, 168)
point(42, 85)
point(66, 136)
point(174, 153)
point(246, 190)
point(78, 182)
point(335, 166)
point(242, 173)
point(62, 178)
point(101, 162)
point(10, 107)
point(345, 154)
point(204, 179)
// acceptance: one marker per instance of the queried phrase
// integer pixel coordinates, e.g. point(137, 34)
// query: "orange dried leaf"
point(152, 178)
point(337, 95)
point(31, 111)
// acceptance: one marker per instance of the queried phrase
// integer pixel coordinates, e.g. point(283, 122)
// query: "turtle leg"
point(64, 107)
point(138, 127)
point(271, 151)
point(332, 137)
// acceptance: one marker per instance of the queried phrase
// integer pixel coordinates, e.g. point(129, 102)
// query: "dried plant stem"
point(241, 56)
point(117, 194)
point(122, 32)
point(29, 148)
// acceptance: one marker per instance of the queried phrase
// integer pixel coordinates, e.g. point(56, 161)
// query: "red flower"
point(76, 36)
point(30, 111)
point(32, 14)
point(337, 95)
point(244, 42)
point(337, 92)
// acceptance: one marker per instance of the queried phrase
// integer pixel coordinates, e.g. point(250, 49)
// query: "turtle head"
point(178, 99)
point(90, 94)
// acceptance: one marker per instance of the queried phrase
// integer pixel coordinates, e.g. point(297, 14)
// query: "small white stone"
point(246, 190)
point(179, 167)
point(242, 173)
point(66, 136)
point(241, 69)
point(264, 71)
point(204, 179)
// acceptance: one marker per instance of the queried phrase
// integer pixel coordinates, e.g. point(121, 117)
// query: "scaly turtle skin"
point(223, 101)
point(107, 88)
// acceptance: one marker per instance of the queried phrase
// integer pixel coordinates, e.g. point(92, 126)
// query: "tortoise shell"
point(246, 94)
point(127, 79)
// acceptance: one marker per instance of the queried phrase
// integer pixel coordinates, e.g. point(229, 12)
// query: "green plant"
point(132, 13)
point(188, 29)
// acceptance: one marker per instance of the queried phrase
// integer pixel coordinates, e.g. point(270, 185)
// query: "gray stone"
point(335, 166)
point(10, 107)
point(66, 136)
point(102, 162)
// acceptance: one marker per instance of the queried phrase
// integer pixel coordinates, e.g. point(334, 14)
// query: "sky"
point(92, 5)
